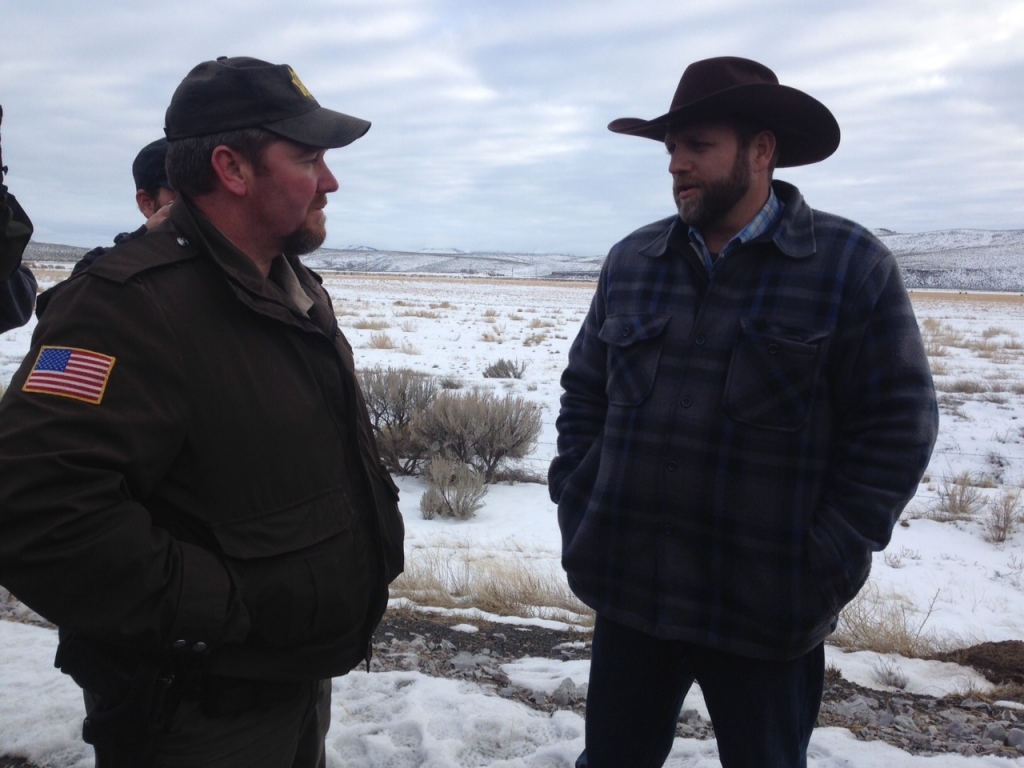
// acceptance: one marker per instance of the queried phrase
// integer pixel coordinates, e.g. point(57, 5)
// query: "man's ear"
point(763, 146)
point(145, 202)
point(232, 170)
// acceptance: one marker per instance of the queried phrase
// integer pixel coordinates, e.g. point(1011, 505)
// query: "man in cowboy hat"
point(189, 485)
point(747, 409)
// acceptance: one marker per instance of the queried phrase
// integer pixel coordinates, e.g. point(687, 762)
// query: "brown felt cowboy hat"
point(730, 87)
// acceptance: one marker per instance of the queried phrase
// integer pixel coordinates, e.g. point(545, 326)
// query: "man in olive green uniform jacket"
point(189, 486)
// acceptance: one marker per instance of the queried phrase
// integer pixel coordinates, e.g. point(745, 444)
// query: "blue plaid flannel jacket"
point(732, 447)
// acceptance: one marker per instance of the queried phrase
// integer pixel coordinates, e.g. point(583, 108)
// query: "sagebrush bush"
point(958, 499)
point(505, 369)
point(394, 396)
point(413, 423)
point(454, 490)
point(1003, 516)
point(480, 429)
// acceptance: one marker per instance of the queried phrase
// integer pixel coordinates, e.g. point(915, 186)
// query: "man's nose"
point(680, 161)
point(327, 182)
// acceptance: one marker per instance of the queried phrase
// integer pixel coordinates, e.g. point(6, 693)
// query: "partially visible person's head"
point(153, 190)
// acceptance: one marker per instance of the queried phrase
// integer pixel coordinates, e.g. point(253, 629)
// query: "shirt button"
point(672, 466)
point(699, 341)
point(686, 402)
point(627, 331)
point(182, 242)
point(773, 349)
point(178, 645)
point(199, 647)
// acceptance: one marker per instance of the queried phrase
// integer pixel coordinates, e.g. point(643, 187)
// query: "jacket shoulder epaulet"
point(159, 248)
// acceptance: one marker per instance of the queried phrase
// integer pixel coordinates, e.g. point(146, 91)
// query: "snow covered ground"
point(944, 578)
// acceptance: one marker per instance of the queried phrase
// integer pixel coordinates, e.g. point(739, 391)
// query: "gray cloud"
point(489, 117)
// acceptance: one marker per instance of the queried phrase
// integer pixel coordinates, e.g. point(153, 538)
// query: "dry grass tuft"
point(449, 579)
point(1002, 692)
point(371, 325)
point(957, 498)
point(887, 672)
point(872, 622)
point(426, 314)
point(963, 386)
point(535, 339)
point(995, 330)
point(496, 335)
point(381, 341)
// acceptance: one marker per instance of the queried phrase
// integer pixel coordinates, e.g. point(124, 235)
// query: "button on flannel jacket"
point(733, 447)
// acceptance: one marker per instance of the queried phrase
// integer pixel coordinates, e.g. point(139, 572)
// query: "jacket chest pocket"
point(634, 347)
point(773, 374)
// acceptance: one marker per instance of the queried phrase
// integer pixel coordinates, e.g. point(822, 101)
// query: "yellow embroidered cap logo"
point(298, 84)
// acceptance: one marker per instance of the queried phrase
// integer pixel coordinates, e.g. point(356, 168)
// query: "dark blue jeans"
point(762, 711)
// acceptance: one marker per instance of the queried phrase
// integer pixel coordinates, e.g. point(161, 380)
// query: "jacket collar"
point(245, 278)
point(794, 235)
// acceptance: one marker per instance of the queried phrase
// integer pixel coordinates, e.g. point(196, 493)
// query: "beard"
point(717, 198)
point(305, 239)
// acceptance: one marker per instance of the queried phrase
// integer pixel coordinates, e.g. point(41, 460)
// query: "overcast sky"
point(489, 116)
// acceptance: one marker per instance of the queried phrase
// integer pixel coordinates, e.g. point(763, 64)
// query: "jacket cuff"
point(209, 611)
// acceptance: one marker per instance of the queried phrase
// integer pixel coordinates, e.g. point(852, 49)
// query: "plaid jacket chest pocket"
point(634, 347)
point(773, 374)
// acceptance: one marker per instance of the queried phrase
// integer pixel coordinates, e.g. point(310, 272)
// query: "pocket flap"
point(287, 529)
point(623, 330)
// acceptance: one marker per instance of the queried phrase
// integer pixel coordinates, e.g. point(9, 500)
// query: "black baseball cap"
point(149, 168)
point(234, 93)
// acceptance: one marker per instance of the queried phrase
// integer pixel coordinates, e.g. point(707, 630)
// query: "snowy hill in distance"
point(954, 259)
point(969, 259)
point(456, 262)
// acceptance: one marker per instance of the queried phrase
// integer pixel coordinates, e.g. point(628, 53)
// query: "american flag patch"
point(69, 372)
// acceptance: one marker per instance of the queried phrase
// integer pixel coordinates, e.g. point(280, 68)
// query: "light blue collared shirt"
point(763, 222)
